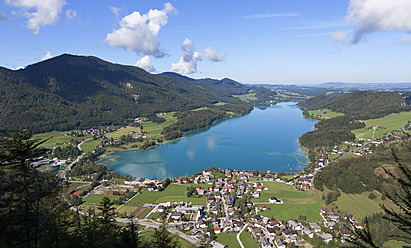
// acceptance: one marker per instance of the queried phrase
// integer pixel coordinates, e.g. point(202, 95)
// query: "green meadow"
point(248, 240)
point(388, 123)
point(326, 114)
point(229, 239)
point(295, 202)
point(57, 137)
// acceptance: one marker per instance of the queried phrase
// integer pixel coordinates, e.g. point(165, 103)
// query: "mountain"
point(71, 92)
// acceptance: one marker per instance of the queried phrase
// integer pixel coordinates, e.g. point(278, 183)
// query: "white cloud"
point(145, 63)
point(272, 15)
point(139, 33)
point(115, 10)
point(71, 14)
point(3, 17)
point(39, 13)
point(188, 62)
point(47, 56)
point(340, 36)
point(378, 15)
point(406, 39)
point(212, 55)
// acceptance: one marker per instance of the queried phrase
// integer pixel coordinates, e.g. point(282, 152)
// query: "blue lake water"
point(265, 139)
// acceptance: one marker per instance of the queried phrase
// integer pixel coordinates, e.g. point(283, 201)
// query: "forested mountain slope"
point(359, 104)
point(71, 92)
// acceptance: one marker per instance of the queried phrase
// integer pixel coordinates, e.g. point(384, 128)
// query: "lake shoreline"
point(268, 157)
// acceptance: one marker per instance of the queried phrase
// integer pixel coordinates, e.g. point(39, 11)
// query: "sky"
point(264, 41)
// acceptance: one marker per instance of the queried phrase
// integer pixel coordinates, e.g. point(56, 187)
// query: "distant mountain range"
point(340, 86)
point(71, 92)
point(368, 86)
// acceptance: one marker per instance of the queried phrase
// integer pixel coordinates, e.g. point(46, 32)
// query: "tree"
point(25, 193)
point(163, 239)
point(130, 235)
point(401, 219)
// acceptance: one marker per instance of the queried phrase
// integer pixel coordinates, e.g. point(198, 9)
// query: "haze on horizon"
point(276, 42)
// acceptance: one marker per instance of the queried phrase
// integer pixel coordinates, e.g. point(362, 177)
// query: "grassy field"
point(281, 191)
point(229, 239)
point(360, 205)
point(295, 202)
point(390, 122)
point(57, 137)
point(96, 199)
point(173, 192)
point(247, 97)
point(395, 244)
point(326, 113)
point(140, 213)
point(292, 211)
point(90, 145)
point(127, 209)
point(248, 240)
point(154, 130)
point(123, 131)
point(74, 186)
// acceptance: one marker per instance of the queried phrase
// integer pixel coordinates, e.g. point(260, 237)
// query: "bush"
point(372, 196)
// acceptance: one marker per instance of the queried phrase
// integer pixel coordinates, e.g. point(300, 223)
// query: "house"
point(315, 227)
point(348, 216)
point(294, 225)
point(288, 234)
point(326, 237)
point(202, 224)
point(77, 193)
point(217, 230)
point(264, 242)
point(331, 224)
point(345, 232)
point(279, 243)
point(325, 210)
point(274, 200)
point(175, 215)
point(257, 232)
point(256, 195)
point(273, 223)
point(270, 231)
point(359, 225)
point(334, 217)
point(263, 207)
point(308, 232)
point(238, 225)
point(260, 188)
point(207, 172)
point(255, 218)
point(161, 209)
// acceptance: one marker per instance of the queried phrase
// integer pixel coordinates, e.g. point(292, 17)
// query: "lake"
point(265, 139)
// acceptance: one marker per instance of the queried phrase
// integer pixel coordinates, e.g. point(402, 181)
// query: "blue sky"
point(265, 41)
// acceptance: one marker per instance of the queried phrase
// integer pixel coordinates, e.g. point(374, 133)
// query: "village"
point(235, 201)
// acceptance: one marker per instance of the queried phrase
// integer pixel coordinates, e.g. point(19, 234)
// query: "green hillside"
point(74, 92)
point(360, 105)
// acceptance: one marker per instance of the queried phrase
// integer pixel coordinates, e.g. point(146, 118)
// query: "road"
point(239, 233)
point(171, 229)
point(63, 174)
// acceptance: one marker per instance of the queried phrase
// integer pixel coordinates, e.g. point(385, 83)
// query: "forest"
point(360, 105)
